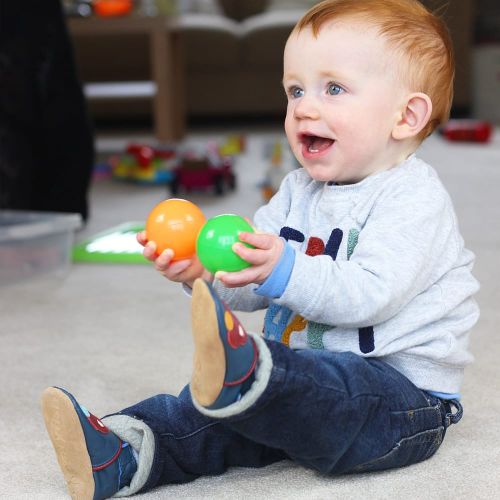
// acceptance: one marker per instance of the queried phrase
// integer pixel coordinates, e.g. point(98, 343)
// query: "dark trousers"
point(333, 412)
point(46, 144)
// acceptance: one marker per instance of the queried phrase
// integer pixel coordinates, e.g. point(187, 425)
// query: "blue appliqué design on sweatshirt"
point(279, 324)
point(333, 245)
point(275, 322)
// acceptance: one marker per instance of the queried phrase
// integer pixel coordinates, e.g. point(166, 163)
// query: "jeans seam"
point(191, 434)
point(436, 443)
point(436, 408)
point(438, 431)
point(340, 392)
point(439, 415)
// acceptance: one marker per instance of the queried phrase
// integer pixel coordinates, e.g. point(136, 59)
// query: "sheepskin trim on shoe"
point(262, 375)
point(142, 440)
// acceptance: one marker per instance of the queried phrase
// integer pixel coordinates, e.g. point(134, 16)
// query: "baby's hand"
point(265, 255)
point(181, 271)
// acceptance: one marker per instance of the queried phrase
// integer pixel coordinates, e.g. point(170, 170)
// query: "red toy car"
point(467, 130)
point(207, 172)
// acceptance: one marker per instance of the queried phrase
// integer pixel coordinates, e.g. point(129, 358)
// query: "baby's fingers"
point(163, 260)
point(258, 240)
point(141, 238)
point(236, 279)
point(176, 268)
point(253, 256)
point(149, 251)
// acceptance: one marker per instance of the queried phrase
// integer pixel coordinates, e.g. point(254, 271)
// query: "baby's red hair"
point(419, 38)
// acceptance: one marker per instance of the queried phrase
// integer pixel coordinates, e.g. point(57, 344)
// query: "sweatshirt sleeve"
point(242, 298)
point(408, 242)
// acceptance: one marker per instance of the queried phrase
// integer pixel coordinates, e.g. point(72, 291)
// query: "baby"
point(359, 262)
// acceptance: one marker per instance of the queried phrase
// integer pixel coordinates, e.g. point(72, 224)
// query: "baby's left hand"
point(263, 258)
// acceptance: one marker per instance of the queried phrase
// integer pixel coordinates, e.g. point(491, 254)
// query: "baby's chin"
point(321, 174)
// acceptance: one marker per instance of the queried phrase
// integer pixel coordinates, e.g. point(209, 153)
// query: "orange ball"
point(107, 8)
point(175, 224)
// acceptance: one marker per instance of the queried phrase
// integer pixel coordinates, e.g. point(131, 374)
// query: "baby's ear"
point(415, 115)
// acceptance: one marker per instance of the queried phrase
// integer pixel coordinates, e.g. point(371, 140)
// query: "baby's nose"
point(307, 107)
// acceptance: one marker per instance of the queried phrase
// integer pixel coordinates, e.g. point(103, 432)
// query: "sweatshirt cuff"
point(276, 283)
point(187, 289)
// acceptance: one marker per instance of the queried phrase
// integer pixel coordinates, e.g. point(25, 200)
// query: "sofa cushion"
point(290, 5)
point(264, 37)
point(198, 6)
point(209, 41)
point(241, 9)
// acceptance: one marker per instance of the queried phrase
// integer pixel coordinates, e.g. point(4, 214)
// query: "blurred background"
point(86, 80)
point(230, 59)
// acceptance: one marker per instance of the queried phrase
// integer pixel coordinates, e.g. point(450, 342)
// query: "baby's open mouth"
point(315, 144)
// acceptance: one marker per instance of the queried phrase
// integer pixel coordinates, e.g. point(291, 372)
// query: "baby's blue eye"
point(296, 92)
point(334, 89)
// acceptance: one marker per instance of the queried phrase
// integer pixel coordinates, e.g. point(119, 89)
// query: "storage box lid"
point(21, 224)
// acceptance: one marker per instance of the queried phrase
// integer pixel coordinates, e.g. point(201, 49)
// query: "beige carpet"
point(114, 335)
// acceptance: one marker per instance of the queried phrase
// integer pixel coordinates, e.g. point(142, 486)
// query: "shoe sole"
point(209, 362)
point(66, 434)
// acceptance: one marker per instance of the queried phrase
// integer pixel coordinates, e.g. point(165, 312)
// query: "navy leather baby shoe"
point(95, 462)
point(216, 327)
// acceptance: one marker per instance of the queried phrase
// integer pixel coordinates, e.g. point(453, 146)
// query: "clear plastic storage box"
point(35, 243)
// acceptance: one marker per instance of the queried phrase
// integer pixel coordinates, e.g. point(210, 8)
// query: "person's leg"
point(188, 444)
point(172, 443)
point(47, 151)
point(95, 462)
point(63, 140)
point(339, 413)
point(334, 412)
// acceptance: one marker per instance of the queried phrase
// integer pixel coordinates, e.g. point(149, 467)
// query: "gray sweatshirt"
point(380, 270)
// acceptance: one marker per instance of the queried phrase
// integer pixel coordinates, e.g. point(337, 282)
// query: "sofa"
point(231, 61)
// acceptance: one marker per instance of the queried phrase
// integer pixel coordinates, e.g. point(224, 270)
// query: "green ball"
point(215, 241)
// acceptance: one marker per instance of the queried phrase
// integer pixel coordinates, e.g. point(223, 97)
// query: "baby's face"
point(343, 101)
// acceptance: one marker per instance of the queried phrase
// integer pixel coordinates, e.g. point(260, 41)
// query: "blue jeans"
point(334, 412)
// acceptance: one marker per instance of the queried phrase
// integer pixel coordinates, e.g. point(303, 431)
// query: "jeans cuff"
point(141, 438)
point(262, 375)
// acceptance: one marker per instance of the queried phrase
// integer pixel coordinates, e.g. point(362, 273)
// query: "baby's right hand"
point(181, 271)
